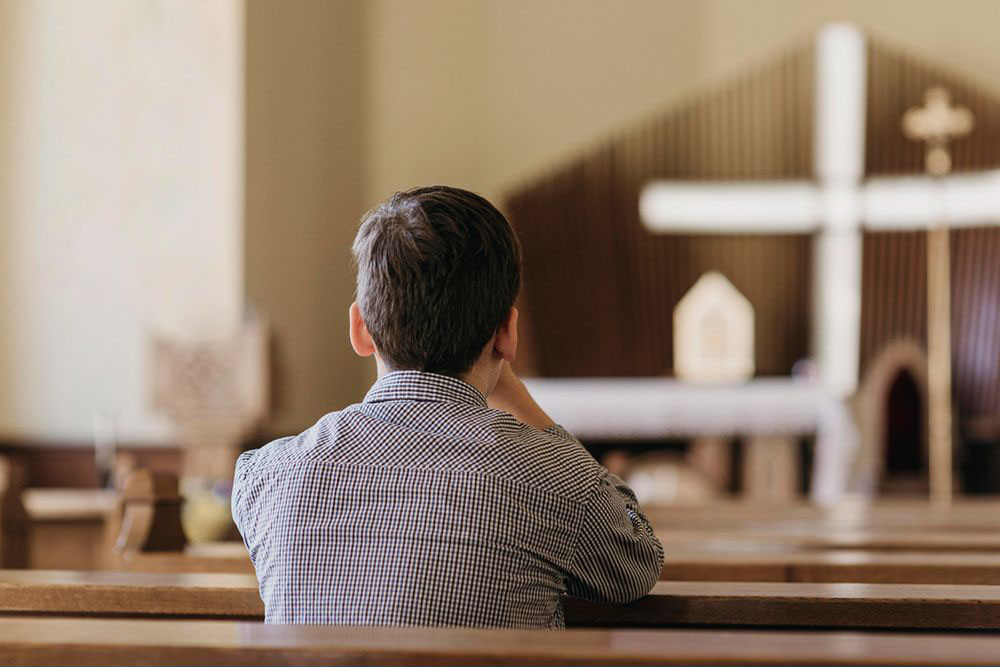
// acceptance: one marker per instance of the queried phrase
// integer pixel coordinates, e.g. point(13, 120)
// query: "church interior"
point(761, 285)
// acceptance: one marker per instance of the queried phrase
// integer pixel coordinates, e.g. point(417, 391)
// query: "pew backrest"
point(149, 516)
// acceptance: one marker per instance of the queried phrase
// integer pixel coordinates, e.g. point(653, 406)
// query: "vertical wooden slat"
point(897, 82)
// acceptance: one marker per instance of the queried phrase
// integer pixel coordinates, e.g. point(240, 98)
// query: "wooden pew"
point(861, 606)
point(671, 604)
point(886, 516)
point(213, 557)
point(891, 526)
point(138, 594)
point(773, 539)
point(76, 528)
point(32, 641)
point(148, 521)
point(69, 528)
point(900, 567)
point(151, 538)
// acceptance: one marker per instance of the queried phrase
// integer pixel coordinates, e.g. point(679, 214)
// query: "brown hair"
point(438, 270)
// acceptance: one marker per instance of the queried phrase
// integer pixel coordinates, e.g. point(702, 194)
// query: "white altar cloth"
point(659, 408)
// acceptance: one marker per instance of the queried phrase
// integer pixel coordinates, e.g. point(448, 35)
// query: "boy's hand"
point(510, 395)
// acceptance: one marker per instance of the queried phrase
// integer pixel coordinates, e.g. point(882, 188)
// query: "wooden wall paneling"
point(526, 361)
point(894, 296)
point(976, 343)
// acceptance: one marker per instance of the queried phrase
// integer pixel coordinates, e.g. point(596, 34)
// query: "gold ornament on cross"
point(936, 123)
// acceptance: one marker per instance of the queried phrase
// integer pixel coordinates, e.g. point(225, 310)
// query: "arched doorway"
point(904, 464)
point(892, 411)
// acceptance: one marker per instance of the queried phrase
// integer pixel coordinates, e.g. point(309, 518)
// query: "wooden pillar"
point(14, 525)
point(770, 468)
point(939, 365)
point(712, 457)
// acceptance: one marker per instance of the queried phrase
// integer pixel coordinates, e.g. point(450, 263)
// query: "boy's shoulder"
point(550, 459)
point(290, 449)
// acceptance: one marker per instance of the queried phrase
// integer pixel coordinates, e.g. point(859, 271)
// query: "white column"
point(841, 75)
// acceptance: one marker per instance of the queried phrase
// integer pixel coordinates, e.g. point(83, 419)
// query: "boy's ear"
point(361, 340)
point(505, 343)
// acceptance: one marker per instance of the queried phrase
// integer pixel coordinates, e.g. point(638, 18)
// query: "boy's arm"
point(510, 395)
point(618, 556)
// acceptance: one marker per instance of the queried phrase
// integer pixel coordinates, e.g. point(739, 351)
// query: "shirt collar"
point(420, 386)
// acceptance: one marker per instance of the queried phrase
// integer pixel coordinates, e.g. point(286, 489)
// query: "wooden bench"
point(768, 539)
point(862, 606)
point(32, 641)
point(90, 529)
point(229, 596)
point(151, 538)
point(828, 567)
point(69, 527)
point(139, 594)
point(891, 516)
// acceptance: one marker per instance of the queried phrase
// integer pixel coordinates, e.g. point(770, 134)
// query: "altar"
point(849, 194)
point(661, 408)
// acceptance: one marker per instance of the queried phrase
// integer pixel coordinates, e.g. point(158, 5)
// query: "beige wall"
point(304, 167)
point(487, 93)
point(10, 27)
point(960, 34)
point(482, 94)
point(121, 204)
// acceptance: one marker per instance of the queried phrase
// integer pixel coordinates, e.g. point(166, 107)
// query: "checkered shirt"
point(423, 506)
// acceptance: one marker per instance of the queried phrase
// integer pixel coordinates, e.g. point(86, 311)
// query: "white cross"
point(835, 205)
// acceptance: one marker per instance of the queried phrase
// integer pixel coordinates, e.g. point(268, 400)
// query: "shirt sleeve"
point(238, 501)
point(618, 557)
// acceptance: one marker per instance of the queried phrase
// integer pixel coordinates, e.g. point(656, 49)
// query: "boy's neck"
point(483, 375)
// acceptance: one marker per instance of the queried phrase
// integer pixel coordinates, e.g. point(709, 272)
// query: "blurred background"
point(180, 182)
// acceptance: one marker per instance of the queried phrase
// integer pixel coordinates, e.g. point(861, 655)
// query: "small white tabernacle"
point(660, 408)
point(713, 333)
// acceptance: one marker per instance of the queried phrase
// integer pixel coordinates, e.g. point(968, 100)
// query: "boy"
point(448, 497)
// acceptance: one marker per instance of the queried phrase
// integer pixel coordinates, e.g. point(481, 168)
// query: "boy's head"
point(438, 271)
